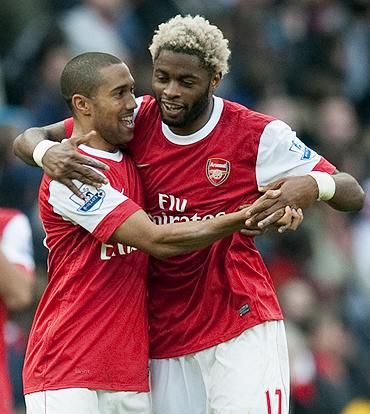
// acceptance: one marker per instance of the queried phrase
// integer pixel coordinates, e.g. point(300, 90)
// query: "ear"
point(215, 81)
point(81, 105)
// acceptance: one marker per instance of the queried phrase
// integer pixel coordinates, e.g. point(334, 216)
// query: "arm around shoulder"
point(26, 142)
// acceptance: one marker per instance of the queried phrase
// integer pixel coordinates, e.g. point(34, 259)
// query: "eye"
point(187, 84)
point(161, 78)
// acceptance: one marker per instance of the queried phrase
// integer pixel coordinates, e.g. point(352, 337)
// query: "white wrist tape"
point(40, 149)
point(325, 183)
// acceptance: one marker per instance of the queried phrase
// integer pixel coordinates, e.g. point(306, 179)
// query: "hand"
point(296, 192)
point(264, 202)
point(291, 220)
point(64, 163)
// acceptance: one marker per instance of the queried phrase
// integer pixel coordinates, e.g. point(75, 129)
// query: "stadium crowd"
point(306, 62)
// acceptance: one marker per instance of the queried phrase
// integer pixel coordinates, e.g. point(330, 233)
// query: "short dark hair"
point(81, 74)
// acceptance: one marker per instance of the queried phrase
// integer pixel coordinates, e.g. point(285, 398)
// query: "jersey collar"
point(218, 105)
point(114, 156)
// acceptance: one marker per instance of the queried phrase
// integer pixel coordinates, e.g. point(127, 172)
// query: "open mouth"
point(172, 109)
point(128, 121)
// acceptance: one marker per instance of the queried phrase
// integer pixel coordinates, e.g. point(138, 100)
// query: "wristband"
point(325, 183)
point(40, 149)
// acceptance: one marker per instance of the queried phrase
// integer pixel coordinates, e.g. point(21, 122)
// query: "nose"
point(131, 102)
point(172, 89)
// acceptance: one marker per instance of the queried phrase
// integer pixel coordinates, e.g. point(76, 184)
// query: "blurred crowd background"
point(306, 62)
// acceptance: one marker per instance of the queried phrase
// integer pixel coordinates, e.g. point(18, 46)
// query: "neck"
point(95, 141)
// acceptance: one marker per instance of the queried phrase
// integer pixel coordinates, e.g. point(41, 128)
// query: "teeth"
point(172, 106)
point(128, 120)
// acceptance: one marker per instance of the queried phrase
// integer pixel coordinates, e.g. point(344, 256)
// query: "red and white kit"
point(90, 329)
point(212, 295)
point(16, 244)
point(217, 341)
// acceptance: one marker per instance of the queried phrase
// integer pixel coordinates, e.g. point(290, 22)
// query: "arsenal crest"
point(217, 170)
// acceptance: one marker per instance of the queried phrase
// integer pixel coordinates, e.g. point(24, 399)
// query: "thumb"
point(82, 139)
point(272, 186)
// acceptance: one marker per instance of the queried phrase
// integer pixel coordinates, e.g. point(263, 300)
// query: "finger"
point(261, 216)
point(84, 159)
point(286, 221)
point(243, 206)
point(82, 139)
point(88, 181)
point(256, 218)
point(283, 229)
point(81, 173)
point(271, 219)
point(287, 217)
point(69, 183)
point(78, 158)
point(271, 194)
point(297, 220)
point(88, 176)
point(78, 161)
point(272, 186)
point(264, 202)
point(85, 180)
point(91, 162)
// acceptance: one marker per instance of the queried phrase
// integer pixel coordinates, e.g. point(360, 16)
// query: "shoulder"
point(8, 214)
point(246, 117)
point(14, 220)
point(146, 105)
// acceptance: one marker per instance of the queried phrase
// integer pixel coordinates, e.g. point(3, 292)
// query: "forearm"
point(167, 240)
point(348, 196)
point(180, 238)
point(303, 191)
point(25, 143)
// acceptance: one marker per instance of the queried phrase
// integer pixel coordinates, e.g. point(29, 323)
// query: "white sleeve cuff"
point(40, 150)
point(325, 183)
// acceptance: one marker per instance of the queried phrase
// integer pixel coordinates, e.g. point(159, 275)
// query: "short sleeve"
point(281, 153)
point(102, 211)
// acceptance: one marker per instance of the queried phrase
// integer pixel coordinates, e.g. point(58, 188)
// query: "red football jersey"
point(90, 329)
point(204, 298)
point(209, 296)
point(16, 245)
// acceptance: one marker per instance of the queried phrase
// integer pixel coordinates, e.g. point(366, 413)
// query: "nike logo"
point(142, 165)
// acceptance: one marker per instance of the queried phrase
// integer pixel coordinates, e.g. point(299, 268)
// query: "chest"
point(208, 177)
point(125, 178)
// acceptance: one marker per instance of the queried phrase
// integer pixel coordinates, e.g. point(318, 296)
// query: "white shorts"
point(86, 401)
point(248, 374)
